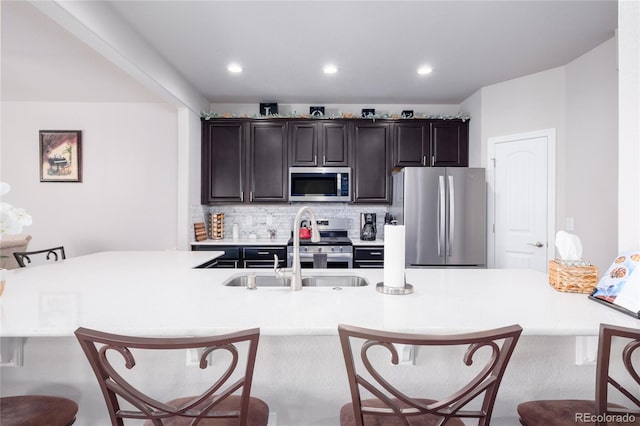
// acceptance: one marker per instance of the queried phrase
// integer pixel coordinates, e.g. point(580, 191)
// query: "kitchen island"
point(299, 370)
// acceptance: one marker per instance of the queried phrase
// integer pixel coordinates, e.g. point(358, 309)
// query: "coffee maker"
point(367, 226)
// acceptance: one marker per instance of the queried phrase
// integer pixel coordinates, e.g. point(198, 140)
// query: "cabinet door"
point(411, 144)
point(223, 161)
point(334, 144)
point(450, 143)
point(371, 162)
point(368, 257)
point(303, 144)
point(318, 143)
point(268, 161)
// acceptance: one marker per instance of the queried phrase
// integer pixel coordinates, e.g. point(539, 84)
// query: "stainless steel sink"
point(334, 281)
point(261, 281)
point(310, 281)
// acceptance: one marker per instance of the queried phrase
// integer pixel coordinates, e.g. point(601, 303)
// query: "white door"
point(521, 202)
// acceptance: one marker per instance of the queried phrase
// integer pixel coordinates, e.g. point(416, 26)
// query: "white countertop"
point(243, 242)
point(159, 293)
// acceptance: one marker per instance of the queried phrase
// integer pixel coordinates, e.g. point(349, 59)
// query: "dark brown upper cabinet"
point(371, 147)
point(318, 143)
point(267, 169)
point(436, 143)
point(243, 161)
point(411, 144)
point(449, 143)
point(223, 161)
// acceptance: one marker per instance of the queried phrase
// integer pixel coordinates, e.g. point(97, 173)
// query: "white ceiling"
point(283, 45)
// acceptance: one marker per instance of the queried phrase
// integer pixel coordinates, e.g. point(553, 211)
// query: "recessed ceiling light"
point(234, 68)
point(424, 70)
point(330, 69)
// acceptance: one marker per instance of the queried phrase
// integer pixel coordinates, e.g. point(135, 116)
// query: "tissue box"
point(572, 278)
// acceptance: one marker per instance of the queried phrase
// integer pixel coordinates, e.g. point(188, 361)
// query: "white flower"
point(12, 219)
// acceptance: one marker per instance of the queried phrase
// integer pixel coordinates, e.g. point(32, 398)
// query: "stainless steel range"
point(334, 250)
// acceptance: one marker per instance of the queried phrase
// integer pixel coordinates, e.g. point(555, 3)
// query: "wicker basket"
point(572, 279)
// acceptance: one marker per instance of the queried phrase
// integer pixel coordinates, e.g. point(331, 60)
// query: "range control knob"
point(306, 249)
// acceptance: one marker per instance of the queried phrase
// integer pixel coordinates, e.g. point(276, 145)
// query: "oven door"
point(334, 260)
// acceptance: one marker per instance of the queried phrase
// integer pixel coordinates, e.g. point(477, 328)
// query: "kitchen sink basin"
point(334, 281)
point(261, 281)
point(309, 281)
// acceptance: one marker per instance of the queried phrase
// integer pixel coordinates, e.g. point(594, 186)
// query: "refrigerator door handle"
point(441, 214)
point(452, 215)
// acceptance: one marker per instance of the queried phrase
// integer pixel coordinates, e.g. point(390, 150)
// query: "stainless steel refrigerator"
point(444, 213)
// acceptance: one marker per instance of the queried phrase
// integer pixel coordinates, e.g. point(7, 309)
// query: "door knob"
point(536, 244)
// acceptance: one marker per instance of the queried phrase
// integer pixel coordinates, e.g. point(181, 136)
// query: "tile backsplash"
point(257, 219)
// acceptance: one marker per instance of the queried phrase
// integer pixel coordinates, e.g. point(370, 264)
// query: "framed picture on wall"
point(60, 156)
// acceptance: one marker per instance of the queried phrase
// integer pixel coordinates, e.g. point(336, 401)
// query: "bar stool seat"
point(37, 410)
point(563, 412)
point(569, 412)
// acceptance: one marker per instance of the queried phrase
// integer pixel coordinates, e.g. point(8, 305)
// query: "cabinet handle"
point(242, 196)
point(263, 252)
point(251, 196)
point(375, 253)
point(424, 160)
point(315, 159)
point(324, 159)
point(433, 160)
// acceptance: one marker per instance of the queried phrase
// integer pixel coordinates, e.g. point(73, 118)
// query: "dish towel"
point(319, 260)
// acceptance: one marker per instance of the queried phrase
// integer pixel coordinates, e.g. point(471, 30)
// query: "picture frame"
point(60, 156)
point(268, 108)
point(316, 111)
point(368, 112)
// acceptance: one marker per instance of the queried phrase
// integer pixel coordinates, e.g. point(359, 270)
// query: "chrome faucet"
point(294, 274)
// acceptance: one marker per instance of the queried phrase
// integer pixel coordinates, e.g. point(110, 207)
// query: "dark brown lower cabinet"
point(371, 257)
point(245, 256)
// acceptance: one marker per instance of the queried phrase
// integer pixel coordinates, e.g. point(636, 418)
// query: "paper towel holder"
point(406, 289)
point(381, 288)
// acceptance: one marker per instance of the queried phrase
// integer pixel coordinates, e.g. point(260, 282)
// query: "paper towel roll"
point(394, 255)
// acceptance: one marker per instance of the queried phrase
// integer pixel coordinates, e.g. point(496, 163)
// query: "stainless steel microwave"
point(320, 184)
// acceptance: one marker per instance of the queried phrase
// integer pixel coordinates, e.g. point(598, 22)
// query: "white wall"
point(629, 125)
point(472, 106)
point(127, 200)
point(579, 101)
point(591, 152)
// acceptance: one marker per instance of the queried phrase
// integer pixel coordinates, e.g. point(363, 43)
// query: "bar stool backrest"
point(109, 353)
point(53, 254)
point(629, 338)
point(391, 401)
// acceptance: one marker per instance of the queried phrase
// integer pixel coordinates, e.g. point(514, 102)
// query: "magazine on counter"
point(619, 287)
